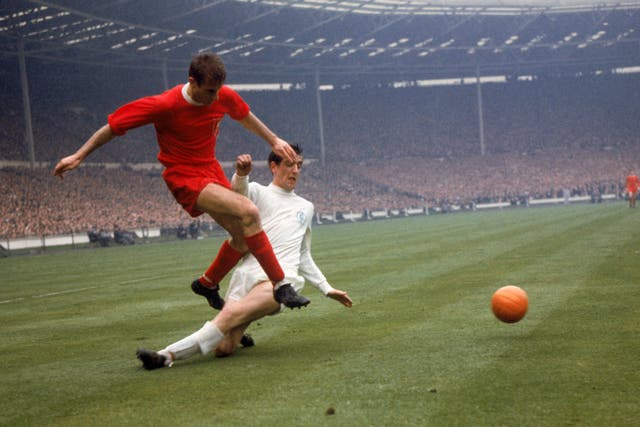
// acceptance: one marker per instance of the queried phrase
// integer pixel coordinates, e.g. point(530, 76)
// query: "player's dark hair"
point(207, 67)
point(273, 157)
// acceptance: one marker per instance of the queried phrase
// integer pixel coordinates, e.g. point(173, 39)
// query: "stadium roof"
point(264, 40)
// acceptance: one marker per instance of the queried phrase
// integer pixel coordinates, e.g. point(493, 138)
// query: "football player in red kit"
point(186, 120)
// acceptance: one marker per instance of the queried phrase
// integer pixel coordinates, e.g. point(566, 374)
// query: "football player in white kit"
point(286, 218)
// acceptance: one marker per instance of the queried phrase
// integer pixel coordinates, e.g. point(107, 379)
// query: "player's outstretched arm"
point(341, 297)
point(101, 137)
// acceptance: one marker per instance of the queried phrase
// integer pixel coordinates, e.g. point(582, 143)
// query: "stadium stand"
point(385, 149)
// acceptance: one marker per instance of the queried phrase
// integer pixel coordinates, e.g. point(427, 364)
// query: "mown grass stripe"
point(420, 346)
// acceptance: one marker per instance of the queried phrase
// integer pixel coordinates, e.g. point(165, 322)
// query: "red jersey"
point(186, 133)
point(632, 183)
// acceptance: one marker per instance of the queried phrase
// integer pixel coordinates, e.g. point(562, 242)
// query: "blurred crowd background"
point(384, 148)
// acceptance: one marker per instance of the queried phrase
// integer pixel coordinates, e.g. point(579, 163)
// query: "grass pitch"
point(419, 347)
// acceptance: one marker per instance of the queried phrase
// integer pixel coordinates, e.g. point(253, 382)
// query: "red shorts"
point(186, 183)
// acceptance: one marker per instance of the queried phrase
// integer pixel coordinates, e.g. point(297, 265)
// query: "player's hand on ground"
point(243, 164)
point(341, 297)
point(65, 165)
point(284, 150)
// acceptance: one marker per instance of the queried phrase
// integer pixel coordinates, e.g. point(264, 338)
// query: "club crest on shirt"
point(301, 217)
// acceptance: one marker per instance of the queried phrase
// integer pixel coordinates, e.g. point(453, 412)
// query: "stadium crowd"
point(384, 149)
point(34, 203)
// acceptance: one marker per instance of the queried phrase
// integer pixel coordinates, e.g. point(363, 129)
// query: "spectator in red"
point(632, 188)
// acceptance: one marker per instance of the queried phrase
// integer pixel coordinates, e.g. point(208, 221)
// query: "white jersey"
point(286, 219)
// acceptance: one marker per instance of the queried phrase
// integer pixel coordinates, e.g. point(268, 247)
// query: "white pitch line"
point(71, 291)
point(11, 300)
point(144, 279)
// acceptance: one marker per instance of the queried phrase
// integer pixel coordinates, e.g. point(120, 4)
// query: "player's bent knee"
point(250, 217)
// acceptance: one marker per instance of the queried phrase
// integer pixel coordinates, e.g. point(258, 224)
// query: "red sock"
point(226, 259)
point(260, 247)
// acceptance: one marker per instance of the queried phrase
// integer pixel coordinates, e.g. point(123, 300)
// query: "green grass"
point(419, 347)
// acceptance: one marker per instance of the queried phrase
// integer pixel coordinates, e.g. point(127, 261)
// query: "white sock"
point(202, 341)
point(184, 348)
point(210, 337)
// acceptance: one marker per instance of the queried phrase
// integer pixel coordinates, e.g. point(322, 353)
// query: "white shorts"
point(243, 280)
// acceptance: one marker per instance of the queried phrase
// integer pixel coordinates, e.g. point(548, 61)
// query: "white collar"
point(185, 95)
point(279, 189)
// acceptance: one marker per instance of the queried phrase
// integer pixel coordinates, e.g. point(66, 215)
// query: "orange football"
point(510, 303)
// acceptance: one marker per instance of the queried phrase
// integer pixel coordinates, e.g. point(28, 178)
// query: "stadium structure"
point(265, 40)
point(333, 53)
point(327, 42)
